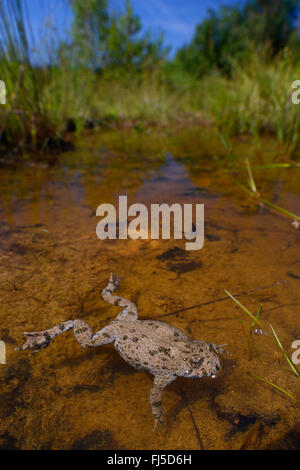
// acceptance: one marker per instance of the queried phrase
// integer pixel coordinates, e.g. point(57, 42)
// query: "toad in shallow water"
point(150, 345)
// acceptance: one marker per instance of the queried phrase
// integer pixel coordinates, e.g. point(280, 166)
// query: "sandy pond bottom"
point(53, 267)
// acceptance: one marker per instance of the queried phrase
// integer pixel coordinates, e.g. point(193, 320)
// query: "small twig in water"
point(221, 299)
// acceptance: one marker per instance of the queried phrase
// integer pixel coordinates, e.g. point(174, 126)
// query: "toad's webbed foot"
point(35, 341)
point(159, 420)
point(114, 280)
point(82, 332)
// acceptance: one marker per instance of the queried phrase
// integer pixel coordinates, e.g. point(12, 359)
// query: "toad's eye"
point(196, 360)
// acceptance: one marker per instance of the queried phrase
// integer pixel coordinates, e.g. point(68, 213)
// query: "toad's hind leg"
point(130, 310)
point(159, 383)
point(87, 339)
point(82, 332)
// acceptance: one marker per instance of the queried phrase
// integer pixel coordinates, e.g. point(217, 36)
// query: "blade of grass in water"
point(273, 385)
point(255, 319)
point(269, 166)
point(268, 203)
point(257, 315)
point(277, 342)
point(265, 201)
point(275, 338)
point(253, 191)
point(251, 342)
point(276, 165)
point(293, 368)
point(251, 179)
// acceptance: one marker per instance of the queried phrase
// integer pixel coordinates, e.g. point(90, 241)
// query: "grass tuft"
point(274, 337)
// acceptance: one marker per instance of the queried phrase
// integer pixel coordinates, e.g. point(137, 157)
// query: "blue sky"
point(176, 18)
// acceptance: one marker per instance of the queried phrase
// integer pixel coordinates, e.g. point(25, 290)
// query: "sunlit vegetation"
point(236, 74)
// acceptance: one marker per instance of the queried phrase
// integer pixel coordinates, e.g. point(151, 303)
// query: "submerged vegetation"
point(251, 188)
point(292, 368)
point(236, 73)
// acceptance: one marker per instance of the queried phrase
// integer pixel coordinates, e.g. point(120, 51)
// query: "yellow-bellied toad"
point(154, 346)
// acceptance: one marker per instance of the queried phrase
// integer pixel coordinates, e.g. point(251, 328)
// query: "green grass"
point(40, 99)
point(257, 99)
point(251, 189)
point(254, 193)
point(276, 342)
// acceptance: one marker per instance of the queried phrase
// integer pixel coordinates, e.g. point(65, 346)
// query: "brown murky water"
point(53, 267)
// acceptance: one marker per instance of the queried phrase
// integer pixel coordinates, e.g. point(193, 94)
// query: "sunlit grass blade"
point(257, 315)
point(281, 210)
point(292, 366)
point(273, 385)
point(251, 179)
point(268, 166)
point(254, 318)
point(253, 190)
point(276, 165)
point(275, 340)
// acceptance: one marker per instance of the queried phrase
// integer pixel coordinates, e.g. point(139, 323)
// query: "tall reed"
point(257, 98)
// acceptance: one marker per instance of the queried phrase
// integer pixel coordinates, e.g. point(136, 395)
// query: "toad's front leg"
point(159, 383)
